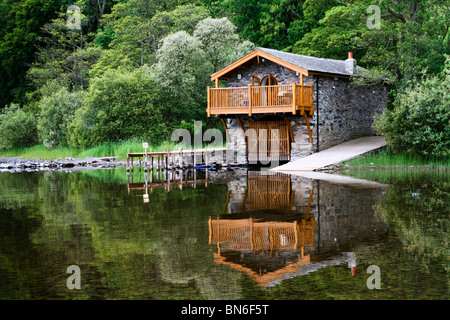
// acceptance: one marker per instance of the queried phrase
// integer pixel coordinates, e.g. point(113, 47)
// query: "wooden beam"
point(291, 133)
point(240, 122)
point(294, 98)
point(257, 54)
point(309, 128)
point(226, 129)
point(208, 108)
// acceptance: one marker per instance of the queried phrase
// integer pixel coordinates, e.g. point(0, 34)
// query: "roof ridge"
point(299, 55)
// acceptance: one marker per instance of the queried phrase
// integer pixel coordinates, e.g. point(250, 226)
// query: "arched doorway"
point(268, 91)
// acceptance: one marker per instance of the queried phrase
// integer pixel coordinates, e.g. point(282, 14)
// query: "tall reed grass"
point(107, 149)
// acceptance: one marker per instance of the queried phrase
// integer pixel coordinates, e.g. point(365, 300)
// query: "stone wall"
point(345, 110)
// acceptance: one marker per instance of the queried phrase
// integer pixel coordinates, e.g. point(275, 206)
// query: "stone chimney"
point(350, 64)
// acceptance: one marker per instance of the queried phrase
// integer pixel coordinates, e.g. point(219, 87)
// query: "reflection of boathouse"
point(276, 226)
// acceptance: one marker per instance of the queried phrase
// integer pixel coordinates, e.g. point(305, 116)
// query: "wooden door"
point(268, 141)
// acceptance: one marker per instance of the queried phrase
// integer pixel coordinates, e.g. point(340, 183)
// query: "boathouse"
point(295, 105)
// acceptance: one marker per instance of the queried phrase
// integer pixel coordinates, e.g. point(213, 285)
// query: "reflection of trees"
point(416, 208)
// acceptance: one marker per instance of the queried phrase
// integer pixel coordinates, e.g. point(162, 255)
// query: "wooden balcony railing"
point(260, 99)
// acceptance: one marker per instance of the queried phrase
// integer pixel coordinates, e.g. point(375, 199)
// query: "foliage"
point(419, 122)
point(56, 112)
point(118, 106)
point(64, 55)
point(17, 127)
point(413, 36)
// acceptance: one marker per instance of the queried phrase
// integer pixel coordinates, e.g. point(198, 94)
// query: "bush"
point(17, 127)
point(119, 105)
point(419, 123)
point(57, 111)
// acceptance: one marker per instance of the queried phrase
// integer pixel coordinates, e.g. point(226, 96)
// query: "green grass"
point(108, 149)
point(386, 159)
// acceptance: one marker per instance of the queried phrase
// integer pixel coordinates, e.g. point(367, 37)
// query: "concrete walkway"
point(334, 155)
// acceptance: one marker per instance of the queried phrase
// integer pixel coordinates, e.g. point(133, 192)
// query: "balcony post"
point(249, 99)
point(208, 108)
point(294, 98)
point(301, 91)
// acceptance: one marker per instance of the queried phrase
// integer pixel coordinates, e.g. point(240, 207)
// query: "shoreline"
point(17, 164)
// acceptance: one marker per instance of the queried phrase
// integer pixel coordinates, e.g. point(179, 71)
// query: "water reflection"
point(227, 234)
point(275, 226)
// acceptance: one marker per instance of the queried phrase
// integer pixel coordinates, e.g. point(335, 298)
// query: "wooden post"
point(181, 158)
point(307, 125)
point(128, 160)
point(294, 98)
point(167, 159)
point(151, 159)
point(195, 158)
point(206, 156)
point(249, 100)
point(208, 110)
point(301, 91)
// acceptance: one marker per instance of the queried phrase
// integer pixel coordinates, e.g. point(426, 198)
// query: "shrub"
point(119, 105)
point(419, 123)
point(17, 127)
point(57, 111)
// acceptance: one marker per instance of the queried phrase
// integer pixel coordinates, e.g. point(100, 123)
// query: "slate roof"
point(312, 63)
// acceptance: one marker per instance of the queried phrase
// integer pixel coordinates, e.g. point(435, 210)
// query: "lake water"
point(228, 234)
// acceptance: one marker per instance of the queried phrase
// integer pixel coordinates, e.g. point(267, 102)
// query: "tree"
point(20, 23)
point(182, 71)
point(56, 113)
point(17, 127)
point(419, 121)
point(64, 55)
point(217, 40)
point(413, 36)
point(119, 105)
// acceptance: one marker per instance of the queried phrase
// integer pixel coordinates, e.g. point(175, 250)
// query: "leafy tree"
point(56, 112)
point(17, 127)
point(119, 105)
point(20, 23)
point(64, 55)
point(182, 71)
point(218, 39)
point(413, 36)
point(419, 122)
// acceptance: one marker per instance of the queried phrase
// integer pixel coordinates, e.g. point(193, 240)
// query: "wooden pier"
point(181, 159)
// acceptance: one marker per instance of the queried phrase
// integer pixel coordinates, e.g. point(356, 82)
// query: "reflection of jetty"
point(181, 159)
point(165, 179)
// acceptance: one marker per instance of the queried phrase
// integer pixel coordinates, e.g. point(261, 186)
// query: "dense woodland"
point(139, 68)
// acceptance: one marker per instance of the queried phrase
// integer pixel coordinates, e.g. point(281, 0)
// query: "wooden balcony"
point(250, 100)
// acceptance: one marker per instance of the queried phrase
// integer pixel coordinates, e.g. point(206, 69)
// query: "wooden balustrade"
point(260, 99)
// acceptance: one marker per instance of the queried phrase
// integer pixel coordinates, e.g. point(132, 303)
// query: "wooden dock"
point(165, 160)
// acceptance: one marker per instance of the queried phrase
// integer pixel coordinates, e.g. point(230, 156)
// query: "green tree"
point(64, 55)
point(413, 35)
point(17, 127)
point(119, 105)
point(420, 120)
point(182, 71)
point(56, 112)
point(20, 23)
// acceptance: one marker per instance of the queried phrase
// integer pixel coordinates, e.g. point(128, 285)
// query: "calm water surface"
point(229, 235)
